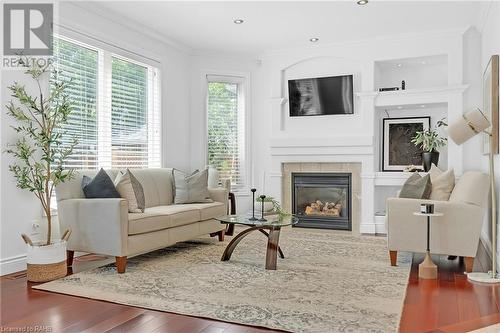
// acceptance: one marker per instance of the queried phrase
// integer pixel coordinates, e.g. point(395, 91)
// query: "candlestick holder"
point(262, 219)
point(253, 218)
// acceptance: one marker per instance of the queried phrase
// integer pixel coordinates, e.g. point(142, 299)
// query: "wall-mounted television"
point(321, 96)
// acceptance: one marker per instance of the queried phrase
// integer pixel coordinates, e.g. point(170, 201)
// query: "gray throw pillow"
point(417, 187)
point(101, 186)
point(190, 188)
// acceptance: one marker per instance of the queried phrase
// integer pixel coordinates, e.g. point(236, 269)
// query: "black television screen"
point(321, 96)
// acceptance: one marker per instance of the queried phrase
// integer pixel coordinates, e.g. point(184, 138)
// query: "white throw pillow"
point(191, 188)
point(442, 183)
point(130, 188)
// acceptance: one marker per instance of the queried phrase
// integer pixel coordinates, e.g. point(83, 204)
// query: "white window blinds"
point(226, 130)
point(80, 65)
point(117, 122)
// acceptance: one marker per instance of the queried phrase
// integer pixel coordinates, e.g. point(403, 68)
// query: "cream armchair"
point(457, 232)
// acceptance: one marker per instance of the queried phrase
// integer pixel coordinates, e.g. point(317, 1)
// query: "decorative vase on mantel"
point(430, 158)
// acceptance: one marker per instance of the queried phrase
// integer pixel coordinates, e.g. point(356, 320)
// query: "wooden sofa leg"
point(394, 257)
point(69, 257)
point(121, 264)
point(469, 264)
point(221, 235)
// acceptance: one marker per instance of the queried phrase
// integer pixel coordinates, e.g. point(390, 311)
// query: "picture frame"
point(398, 152)
point(490, 104)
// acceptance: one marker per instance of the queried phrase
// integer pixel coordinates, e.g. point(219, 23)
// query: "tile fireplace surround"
point(353, 168)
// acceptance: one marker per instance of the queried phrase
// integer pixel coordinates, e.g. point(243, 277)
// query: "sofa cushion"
point(443, 183)
point(209, 210)
point(164, 217)
point(130, 188)
point(161, 217)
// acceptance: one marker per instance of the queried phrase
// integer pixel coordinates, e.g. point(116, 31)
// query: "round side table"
point(428, 269)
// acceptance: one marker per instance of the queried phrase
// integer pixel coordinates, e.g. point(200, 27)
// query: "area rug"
point(328, 282)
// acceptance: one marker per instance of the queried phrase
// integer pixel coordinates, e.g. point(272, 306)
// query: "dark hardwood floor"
point(449, 304)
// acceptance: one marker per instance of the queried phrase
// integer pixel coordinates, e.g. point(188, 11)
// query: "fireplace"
point(322, 200)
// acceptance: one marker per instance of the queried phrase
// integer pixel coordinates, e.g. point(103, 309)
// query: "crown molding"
point(118, 19)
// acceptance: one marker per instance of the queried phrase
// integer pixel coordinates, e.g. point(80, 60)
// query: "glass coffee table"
point(271, 228)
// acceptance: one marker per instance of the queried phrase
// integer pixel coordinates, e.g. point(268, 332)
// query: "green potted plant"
point(429, 141)
point(38, 155)
point(271, 205)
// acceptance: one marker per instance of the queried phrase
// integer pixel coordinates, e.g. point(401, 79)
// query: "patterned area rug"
point(328, 282)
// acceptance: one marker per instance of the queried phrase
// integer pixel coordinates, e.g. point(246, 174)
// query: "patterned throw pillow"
point(101, 186)
point(416, 187)
point(190, 188)
point(129, 188)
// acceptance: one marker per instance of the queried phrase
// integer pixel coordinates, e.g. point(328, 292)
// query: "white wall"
point(18, 208)
point(490, 45)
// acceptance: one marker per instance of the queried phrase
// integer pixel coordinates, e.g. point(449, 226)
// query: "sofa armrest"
point(220, 194)
point(455, 233)
point(98, 225)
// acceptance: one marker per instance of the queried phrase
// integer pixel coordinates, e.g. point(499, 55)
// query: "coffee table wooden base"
point(272, 244)
point(427, 269)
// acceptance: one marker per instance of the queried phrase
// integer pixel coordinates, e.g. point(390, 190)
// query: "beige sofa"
point(455, 233)
point(105, 226)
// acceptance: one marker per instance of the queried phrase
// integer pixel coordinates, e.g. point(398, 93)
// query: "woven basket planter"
point(46, 262)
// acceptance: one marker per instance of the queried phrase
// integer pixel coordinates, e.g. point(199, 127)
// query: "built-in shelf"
point(392, 178)
point(416, 97)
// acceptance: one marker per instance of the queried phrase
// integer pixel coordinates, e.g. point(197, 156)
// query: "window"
point(115, 115)
point(226, 128)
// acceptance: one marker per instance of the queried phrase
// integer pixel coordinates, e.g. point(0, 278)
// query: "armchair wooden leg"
point(394, 257)
point(121, 264)
point(69, 257)
point(469, 264)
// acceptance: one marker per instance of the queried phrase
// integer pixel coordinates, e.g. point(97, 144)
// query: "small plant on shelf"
point(429, 141)
point(273, 205)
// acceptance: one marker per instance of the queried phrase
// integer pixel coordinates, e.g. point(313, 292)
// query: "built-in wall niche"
point(418, 72)
point(436, 112)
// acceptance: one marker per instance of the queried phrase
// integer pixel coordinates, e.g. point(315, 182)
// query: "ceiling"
point(208, 26)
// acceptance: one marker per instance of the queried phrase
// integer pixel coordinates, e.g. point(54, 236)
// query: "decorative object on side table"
point(40, 153)
point(472, 123)
point(398, 151)
point(262, 198)
point(429, 141)
point(428, 269)
point(403, 85)
point(253, 218)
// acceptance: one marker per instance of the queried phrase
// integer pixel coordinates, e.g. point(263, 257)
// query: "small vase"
point(428, 159)
point(46, 262)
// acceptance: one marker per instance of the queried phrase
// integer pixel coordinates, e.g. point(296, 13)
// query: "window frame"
point(244, 103)
point(105, 53)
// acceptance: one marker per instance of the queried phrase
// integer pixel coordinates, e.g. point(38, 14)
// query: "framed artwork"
point(398, 151)
point(490, 104)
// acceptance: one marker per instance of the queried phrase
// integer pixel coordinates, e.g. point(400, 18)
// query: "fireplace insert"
point(322, 200)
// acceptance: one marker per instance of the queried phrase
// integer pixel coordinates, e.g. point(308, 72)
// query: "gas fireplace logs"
point(328, 208)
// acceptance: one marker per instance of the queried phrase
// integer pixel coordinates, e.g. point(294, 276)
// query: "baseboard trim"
point(367, 228)
point(12, 264)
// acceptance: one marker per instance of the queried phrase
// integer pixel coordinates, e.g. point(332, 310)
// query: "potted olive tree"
point(429, 141)
point(39, 154)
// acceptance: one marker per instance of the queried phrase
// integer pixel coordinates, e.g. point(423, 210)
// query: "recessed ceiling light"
point(238, 21)
point(400, 65)
point(362, 2)
point(314, 39)
point(423, 62)
point(400, 107)
point(422, 106)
